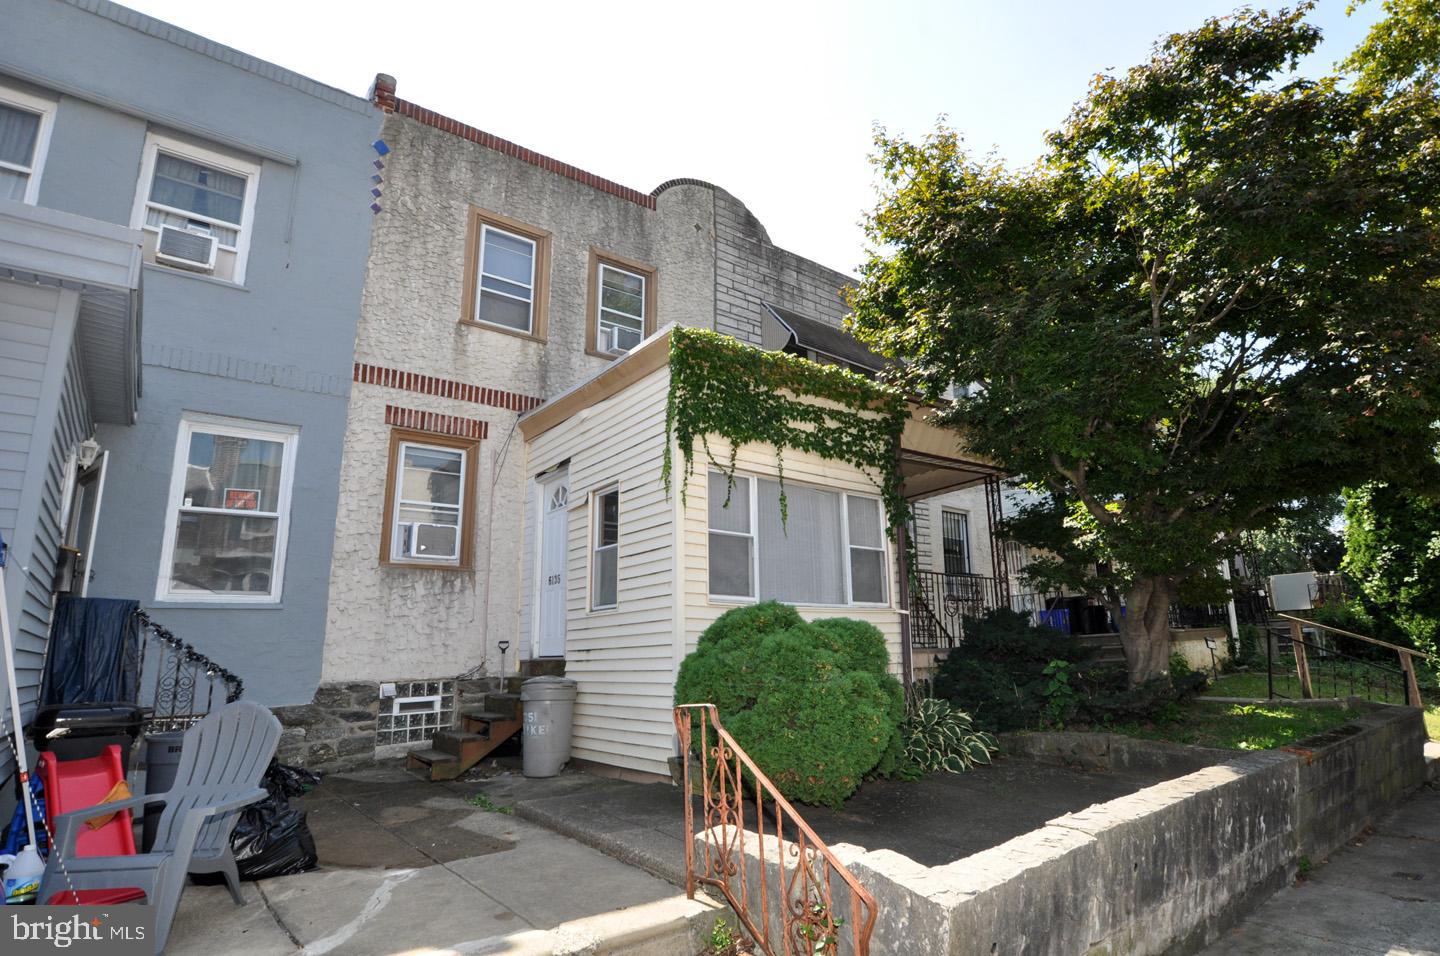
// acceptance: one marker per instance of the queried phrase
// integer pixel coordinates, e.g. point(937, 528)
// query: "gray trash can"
point(547, 706)
point(162, 761)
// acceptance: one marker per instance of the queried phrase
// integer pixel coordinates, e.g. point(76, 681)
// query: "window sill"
point(418, 566)
point(607, 356)
point(714, 601)
point(528, 336)
point(188, 604)
point(199, 276)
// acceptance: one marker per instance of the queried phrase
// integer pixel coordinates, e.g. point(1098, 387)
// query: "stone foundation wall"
point(335, 731)
point(1165, 869)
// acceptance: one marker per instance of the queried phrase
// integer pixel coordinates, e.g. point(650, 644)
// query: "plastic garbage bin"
point(87, 730)
point(547, 706)
point(162, 760)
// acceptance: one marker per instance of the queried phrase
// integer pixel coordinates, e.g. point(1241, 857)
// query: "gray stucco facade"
point(266, 338)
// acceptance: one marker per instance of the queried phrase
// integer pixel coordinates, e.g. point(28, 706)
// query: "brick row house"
point(370, 459)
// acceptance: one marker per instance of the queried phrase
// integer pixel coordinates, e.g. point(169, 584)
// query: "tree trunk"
point(1145, 629)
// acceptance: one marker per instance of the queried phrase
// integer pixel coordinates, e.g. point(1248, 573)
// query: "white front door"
point(554, 497)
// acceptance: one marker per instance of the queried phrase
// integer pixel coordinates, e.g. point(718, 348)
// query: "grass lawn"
point(1255, 685)
point(1239, 726)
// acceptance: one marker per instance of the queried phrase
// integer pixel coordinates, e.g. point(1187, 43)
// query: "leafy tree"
point(1215, 294)
point(1302, 538)
point(1392, 551)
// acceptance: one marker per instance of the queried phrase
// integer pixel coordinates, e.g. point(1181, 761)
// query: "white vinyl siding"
point(624, 658)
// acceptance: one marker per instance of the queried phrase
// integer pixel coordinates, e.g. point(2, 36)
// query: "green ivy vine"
point(721, 386)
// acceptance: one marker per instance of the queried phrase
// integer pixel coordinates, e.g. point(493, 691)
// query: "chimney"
point(382, 92)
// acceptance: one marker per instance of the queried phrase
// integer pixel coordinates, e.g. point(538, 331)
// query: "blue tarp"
point(94, 653)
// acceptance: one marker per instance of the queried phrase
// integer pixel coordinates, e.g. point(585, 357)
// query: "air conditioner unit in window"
point(190, 248)
point(434, 541)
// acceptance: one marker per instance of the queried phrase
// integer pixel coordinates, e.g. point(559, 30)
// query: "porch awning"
point(101, 262)
point(934, 460)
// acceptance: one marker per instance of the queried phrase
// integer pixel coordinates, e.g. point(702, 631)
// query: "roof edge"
point(194, 42)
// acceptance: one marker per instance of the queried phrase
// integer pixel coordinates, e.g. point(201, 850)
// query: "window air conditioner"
point(424, 540)
point(190, 248)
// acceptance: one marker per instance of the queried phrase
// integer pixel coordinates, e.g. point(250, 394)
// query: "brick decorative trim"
point(436, 423)
point(444, 388)
point(516, 151)
point(682, 181)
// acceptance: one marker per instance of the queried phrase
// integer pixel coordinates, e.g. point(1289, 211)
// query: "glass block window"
point(419, 710)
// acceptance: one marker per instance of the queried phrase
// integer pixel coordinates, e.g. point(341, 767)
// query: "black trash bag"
point(271, 837)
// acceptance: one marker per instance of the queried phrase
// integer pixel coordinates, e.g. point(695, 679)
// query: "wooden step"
point(434, 764)
point(467, 748)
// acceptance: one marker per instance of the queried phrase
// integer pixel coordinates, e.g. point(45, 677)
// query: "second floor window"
point(507, 280)
point(196, 206)
point(507, 275)
point(622, 309)
point(621, 304)
point(24, 131)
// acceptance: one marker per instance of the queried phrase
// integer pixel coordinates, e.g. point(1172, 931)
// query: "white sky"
point(773, 100)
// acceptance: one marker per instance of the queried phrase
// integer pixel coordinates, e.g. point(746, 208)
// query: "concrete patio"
point(935, 820)
point(410, 866)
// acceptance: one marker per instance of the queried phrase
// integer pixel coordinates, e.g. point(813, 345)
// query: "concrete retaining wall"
point(1165, 869)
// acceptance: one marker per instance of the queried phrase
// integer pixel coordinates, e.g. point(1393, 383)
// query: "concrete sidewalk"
point(1380, 895)
point(408, 865)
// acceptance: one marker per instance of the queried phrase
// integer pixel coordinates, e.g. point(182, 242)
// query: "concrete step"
point(1432, 760)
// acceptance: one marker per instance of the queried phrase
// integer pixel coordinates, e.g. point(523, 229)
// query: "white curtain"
point(800, 561)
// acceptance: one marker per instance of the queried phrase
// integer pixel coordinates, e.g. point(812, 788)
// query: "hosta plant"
point(939, 736)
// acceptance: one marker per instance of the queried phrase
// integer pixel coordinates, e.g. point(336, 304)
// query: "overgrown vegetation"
point(723, 387)
point(1212, 297)
point(1392, 552)
point(811, 703)
point(1011, 675)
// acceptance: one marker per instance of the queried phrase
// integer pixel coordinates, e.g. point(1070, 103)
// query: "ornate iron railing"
point(943, 601)
point(179, 681)
point(794, 910)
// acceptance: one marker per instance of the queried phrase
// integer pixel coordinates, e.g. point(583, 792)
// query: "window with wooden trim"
point(605, 549)
point(25, 122)
point(621, 309)
point(430, 501)
point(507, 275)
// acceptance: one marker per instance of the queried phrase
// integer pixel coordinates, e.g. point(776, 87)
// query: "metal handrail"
point(803, 905)
point(1409, 682)
point(179, 678)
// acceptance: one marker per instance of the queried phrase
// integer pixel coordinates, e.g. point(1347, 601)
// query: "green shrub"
point(939, 737)
point(811, 704)
point(1061, 697)
point(997, 673)
point(1180, 666)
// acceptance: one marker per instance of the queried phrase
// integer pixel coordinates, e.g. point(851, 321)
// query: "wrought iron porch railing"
point(179, 681)
point(786, 887)
point(942, 602)
point(1198, 615)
